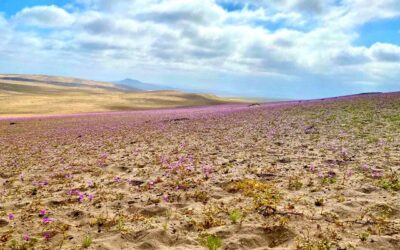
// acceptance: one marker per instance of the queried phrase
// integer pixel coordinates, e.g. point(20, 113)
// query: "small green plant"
point(295, 183)
point(364, 236)
point(308, 244)
point(120, 224)
point(15, 245)
point(393, 118)
point(212, 242)
point(165, 227)
point(120, 196)
point(383, 211)
point(87, 241)
point(390, 183)
point(235, 216)
point(263, 194)
point(328, 180)
point(28, 243)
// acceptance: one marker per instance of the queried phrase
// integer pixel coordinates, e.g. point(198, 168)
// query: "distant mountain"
point(132, 84)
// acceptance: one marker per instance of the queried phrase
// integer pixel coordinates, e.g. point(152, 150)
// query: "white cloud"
point(293, 39)
point(44, 17)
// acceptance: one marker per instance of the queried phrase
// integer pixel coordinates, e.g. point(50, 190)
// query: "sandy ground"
point(300, 175)
point(32, 95)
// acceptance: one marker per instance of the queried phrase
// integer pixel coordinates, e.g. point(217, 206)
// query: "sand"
point(296, 175)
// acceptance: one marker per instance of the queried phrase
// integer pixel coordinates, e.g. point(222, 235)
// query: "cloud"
point(385, 52)
point(196, 11)
point(351, 56)
point(44, 17)
point(290, 40)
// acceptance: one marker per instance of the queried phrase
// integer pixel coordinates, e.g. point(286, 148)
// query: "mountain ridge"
point(136, 84)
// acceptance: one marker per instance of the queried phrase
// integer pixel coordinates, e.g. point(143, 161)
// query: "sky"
point(295, 49)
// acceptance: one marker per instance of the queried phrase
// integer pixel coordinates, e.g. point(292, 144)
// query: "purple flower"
point(90, 197)
point(47, 220)
point(11, 216)
point(46, 236)
point(81, 197)
point(42, 212)
point(207, 170)
point(331, 174)
point(73, 192)
point(312, 168)
point(117, 179)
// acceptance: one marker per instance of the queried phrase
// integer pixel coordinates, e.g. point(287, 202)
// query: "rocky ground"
point(297, 175)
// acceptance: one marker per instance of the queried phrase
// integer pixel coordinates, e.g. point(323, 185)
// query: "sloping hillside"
point(26, 95)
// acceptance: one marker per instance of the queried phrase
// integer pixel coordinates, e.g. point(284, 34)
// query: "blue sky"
point(10, 7)
point(281, 49)
point(385, 31)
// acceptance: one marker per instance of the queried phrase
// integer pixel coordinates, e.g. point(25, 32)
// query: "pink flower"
point(166, 198)
point(377, 174)
point(69, 176)
point(190, 168)
point(151, 184)
point(349, 173)
point(42, 212)
point(207, 170)
point(365, 167)
point(26, 237)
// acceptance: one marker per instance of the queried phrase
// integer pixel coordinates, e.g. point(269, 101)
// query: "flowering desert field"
point(321, 174)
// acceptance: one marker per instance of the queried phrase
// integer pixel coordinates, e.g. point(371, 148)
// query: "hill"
point(138, 85)
point(27, 95)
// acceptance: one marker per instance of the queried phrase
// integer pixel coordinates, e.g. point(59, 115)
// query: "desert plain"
point(321, 174)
